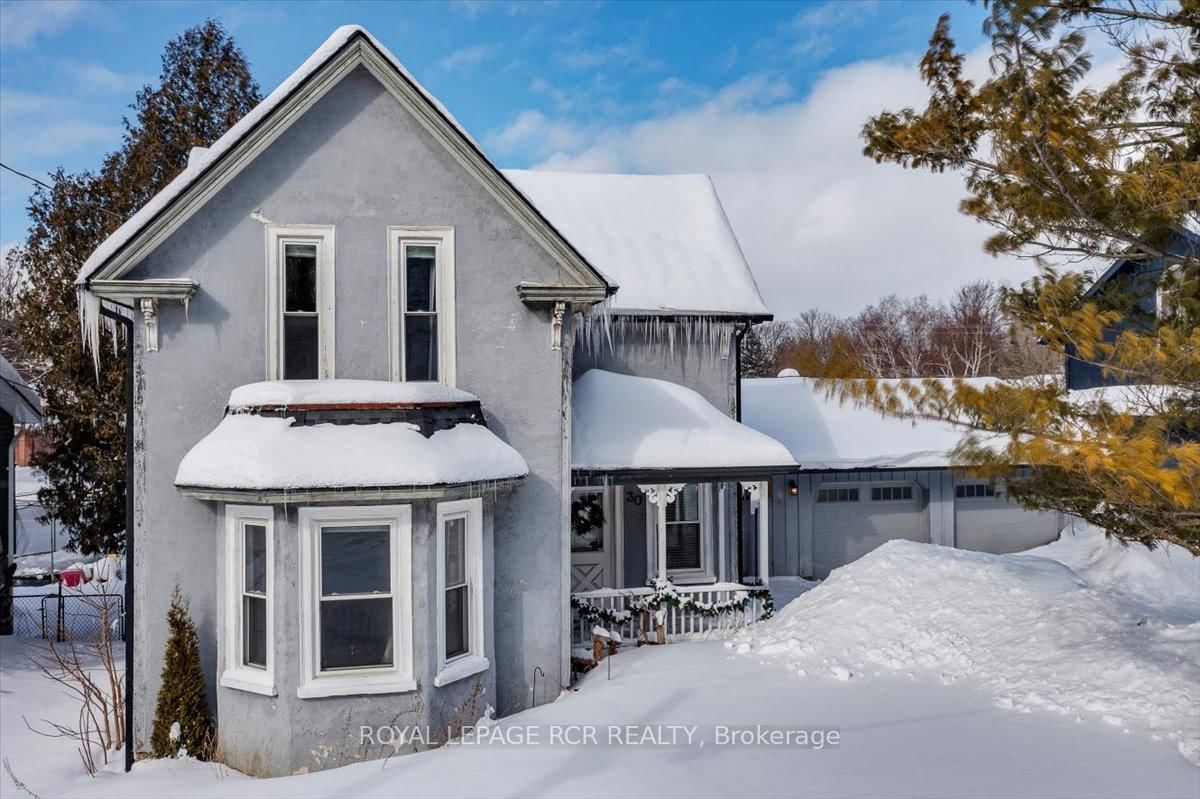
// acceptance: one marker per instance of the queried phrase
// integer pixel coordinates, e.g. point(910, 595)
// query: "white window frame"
point(705, 573)
point(863, 496)
point(997, 490)
point(474, 660)
point(396, 678)
point(277, 237)
point(916, 495)
point(236, 674)
point(442, 239)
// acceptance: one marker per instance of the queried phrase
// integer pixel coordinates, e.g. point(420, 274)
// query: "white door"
point(592, 546)
point(851, 519)
point(986, 520)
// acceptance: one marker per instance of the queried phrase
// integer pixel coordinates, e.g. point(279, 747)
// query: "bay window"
point(460, 590)
point(421, 285)
point(249, 643)
point(356, 584)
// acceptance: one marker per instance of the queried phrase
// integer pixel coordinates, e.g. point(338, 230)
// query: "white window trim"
point(346, 682)
point(277, 236)
point(474, 660)
point(236, 674)
point(443, 239)
point(863, 495)
point(916, 492)
point(705, 573)
point(997, 490)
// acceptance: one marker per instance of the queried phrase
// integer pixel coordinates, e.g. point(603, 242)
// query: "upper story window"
point(300, 303)
point(421, 279)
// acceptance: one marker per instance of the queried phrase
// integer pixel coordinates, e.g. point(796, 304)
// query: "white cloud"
point(533, 130)
point(821, 224)
point(34, 125)
point(87, 79)
point(468, 57)
point(21, 23)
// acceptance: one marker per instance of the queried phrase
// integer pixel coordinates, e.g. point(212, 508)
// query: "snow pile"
point(624, 422)
point(824, 433)
point(1027, 629)
point(663, 239)
point(287, 393)
point(261, 453)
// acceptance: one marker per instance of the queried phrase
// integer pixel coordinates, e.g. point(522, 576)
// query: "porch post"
point(759, 495)
point(764, 532)
point(661, 495)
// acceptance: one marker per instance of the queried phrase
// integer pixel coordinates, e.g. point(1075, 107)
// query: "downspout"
point(738, 335)
point(127, 323)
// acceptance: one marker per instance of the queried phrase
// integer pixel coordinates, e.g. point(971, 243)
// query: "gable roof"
point(350, 46)
point(16, 397)
point(664, 239)
point(1185, 242)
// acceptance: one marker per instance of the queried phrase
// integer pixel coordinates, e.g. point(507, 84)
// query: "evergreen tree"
point(181, 698)
point(204, 87)
point(1064, 169)
point(756, 361)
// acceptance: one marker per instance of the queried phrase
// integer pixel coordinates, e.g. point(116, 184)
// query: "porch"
point(624, 611)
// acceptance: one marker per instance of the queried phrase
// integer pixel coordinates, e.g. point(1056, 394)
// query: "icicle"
point(89, 324)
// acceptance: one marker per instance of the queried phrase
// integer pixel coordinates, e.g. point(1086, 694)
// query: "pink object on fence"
point(72, 577)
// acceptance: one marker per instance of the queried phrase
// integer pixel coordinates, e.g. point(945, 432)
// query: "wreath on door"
point(587, 514)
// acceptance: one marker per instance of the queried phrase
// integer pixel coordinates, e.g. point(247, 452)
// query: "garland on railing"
point(592, 614)
point(665, 593)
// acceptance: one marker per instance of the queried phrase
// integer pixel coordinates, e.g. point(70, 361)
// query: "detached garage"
point(865, 479)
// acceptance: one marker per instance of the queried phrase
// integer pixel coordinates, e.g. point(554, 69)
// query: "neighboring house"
point(377, 379)
point(1139, 278)
point(19, 406)
point(865, 479)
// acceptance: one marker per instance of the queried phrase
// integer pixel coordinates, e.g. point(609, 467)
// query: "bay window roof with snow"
point(311, 440)
point(643, 428)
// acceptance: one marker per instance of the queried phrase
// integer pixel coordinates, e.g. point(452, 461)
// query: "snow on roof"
point(624, 422)
point(285, 393)
point(823, 433)
point(16, 397)
point(200, 159)
point(247, 452)
point(664, 239)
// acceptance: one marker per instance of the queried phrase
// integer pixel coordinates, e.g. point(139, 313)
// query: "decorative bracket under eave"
point(145, 295)
point(561, 299)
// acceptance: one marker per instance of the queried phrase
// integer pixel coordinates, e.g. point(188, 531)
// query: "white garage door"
point(987, 521)
point(851, 519)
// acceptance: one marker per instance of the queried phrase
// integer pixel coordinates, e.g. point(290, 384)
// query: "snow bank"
point(285, 393)
point(260, 452)
point(1027, 628)
point(625, 422)
point(663, 239)
point(823, 433)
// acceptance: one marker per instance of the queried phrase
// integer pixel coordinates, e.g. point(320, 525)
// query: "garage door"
point(987, 521)
point(851, 519)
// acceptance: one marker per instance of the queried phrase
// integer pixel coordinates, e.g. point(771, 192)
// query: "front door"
point(592, 555)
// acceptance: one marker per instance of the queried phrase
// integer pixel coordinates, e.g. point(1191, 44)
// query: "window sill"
point(460, 669)
point(355, 685)
point(250, 680)
point(692, 578)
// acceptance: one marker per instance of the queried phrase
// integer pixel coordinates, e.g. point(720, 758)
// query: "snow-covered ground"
point(922, 715)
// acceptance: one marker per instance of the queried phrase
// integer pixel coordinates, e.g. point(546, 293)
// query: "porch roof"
point(642, 428)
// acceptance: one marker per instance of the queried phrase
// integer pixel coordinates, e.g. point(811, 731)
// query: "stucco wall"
point(358, 161)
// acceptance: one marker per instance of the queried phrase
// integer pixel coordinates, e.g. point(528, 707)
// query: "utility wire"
point(45, 185)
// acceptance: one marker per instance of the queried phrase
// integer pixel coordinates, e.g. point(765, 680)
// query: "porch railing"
point(678, 624)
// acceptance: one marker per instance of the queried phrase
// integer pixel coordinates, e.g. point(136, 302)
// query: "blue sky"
point(767, 97)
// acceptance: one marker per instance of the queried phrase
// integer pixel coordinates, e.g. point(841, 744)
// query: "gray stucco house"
point(392, 406)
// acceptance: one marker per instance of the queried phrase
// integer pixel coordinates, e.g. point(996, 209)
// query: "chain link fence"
point(69, 617)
